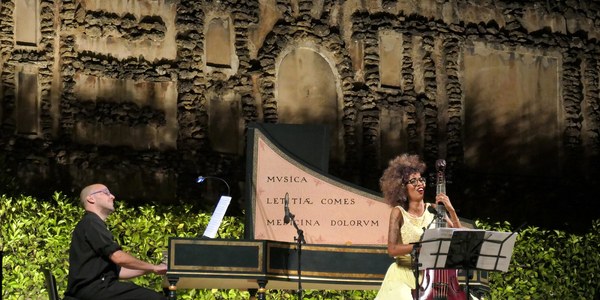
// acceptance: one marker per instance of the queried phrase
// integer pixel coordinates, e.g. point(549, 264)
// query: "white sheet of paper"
point(438, 241)
point(217, 217)
point(489, 248)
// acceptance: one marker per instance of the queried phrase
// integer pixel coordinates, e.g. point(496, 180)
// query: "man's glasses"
point(414, 181)
point(105, 192)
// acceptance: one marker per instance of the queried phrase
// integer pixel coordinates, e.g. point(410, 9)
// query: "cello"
point(441, 284)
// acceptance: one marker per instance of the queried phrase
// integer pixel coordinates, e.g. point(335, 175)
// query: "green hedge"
point(546, 264)
point(550, 264)
point(36, 234)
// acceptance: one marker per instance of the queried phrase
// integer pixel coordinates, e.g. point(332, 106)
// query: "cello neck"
point(440, 165)
point(441, 185)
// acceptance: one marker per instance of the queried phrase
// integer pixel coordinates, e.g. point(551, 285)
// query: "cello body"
point(441, 284)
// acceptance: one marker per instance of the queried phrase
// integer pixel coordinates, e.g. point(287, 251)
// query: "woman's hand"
point(443, 199)
point(451, 218)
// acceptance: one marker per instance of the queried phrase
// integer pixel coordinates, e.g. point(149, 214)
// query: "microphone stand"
point(299, 241)
point(415, 256)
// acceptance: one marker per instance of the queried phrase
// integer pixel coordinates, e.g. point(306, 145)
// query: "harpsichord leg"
point(262, 290)
point(172, 295)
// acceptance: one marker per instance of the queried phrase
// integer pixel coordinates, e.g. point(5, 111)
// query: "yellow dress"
point(399, 279)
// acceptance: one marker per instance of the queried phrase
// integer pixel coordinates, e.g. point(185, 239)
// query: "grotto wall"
point(153, 93)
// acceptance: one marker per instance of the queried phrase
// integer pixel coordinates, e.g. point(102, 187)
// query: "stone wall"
point(153, 93)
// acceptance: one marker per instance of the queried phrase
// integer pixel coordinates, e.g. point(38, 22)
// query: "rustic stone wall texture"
point(145, 95)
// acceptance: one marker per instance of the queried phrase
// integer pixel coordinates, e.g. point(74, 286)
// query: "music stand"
point(467, 249)
point(1, 267)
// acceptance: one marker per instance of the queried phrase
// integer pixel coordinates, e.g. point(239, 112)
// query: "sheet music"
point(491, 248)
point(435, 241)
point(435, 246)
point(217, 217)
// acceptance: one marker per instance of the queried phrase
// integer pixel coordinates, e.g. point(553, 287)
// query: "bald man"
point(97, 262)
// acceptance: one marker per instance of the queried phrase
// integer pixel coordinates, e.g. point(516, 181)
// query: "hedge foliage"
point(36, 234)
point(549, 264)
point(546, 264)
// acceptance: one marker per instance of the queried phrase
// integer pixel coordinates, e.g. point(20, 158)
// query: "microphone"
point(432, 210)
point(437, 212)
point(286, 208)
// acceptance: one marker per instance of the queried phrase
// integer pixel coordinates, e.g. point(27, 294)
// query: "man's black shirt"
point(91, 246)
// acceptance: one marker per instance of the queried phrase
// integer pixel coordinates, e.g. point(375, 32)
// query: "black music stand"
point(466, 249)
point(1, 267)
